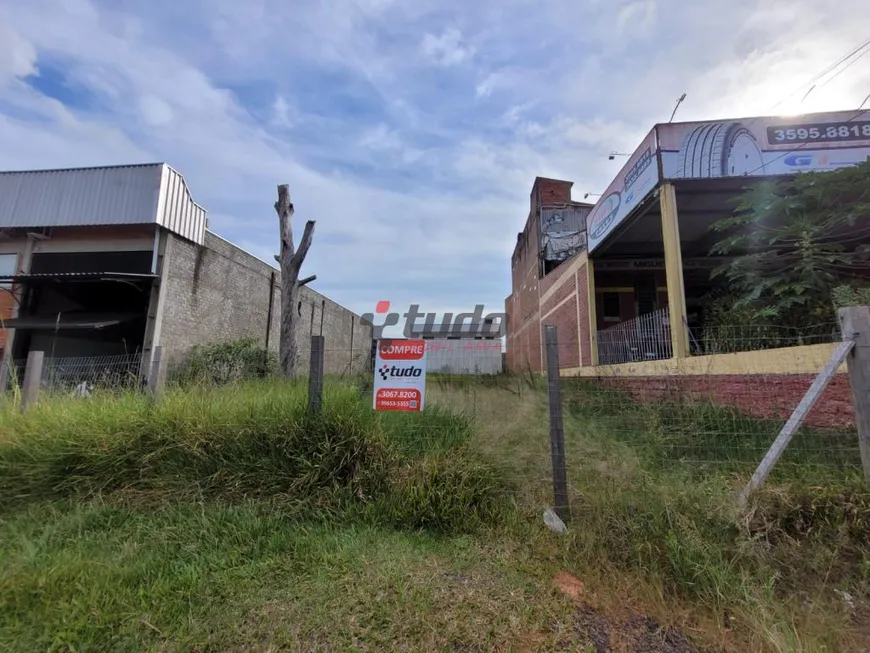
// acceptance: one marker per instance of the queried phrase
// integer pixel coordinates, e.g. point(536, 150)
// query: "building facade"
point(546, 249)
point(630, 283)
point(114, 261)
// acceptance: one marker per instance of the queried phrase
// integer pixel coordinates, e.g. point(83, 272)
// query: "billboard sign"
point(764, 146)
point(637, 178)
point(400, 375)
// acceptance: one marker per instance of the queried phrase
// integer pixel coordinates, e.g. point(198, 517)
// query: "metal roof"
point(150, 193)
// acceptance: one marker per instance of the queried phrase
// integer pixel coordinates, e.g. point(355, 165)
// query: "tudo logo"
point(387, 372)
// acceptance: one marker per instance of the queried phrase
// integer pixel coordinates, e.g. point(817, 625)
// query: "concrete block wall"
point(347, 340)
point(218, 292)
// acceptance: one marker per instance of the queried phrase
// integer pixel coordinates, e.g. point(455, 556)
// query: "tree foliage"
point(794, 242)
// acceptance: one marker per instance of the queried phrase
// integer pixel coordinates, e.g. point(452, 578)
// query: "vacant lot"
point(227, 519)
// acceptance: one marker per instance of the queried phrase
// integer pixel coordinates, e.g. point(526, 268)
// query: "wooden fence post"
point(32, 379)
point(157, 373)
point(855, 322)
point(557, 432)
point(315, 376)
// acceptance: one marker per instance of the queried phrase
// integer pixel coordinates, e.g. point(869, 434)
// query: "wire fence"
point(723, 339)
point(706, 421)
point(699, 417)
point(714, 416)
point(83, 374)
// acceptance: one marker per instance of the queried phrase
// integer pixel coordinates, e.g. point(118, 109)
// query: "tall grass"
point(669, 511)
point(253, 440)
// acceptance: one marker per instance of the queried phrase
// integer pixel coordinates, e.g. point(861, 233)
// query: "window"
point(7, 267)
point(610, 306)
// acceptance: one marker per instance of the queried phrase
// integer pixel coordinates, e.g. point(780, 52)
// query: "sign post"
point(400, 375)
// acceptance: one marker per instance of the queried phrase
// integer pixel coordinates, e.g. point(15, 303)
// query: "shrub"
point(448, 492)
point(219, 363)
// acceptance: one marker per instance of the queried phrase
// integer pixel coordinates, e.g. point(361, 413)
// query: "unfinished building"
point(114, 261)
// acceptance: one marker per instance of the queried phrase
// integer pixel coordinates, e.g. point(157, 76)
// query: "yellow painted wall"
point(807, 359)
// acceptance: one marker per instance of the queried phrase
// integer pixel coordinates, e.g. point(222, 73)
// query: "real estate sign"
point(400, 375)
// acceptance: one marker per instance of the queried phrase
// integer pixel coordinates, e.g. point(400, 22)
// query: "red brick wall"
point(772, 396)
point(523, 307)
point(6, 306)
point(533, 348)
point(565, 320)
point(561, 293)
point(551, 191)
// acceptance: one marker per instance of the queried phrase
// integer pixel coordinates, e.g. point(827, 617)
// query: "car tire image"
point(720, 150)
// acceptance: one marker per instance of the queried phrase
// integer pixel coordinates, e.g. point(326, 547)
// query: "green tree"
point(793, 241)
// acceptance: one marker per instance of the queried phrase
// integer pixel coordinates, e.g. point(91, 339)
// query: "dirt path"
point(631, 632)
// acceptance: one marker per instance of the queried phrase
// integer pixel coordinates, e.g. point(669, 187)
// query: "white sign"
point(400, 375)
point(764, 146)
point(638, 177)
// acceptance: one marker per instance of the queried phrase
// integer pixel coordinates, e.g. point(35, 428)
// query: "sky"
point(410, 130)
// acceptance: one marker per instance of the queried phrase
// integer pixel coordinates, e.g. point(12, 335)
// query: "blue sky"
point(410, 130)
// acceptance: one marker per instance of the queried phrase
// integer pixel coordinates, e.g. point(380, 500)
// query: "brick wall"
point(219, 292)
point(564, 319)
point(772, 396)
point(551, 191)
point(523, 306)
point(560, 294)
point(534, 347)
point(7, 304)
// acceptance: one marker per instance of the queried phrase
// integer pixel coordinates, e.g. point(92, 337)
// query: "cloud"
point(410, 131)
point(17, 55)
point(637, 18)
point(446, 49)
point(281, 112)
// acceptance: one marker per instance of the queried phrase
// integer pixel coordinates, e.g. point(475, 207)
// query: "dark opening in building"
point(84, 304)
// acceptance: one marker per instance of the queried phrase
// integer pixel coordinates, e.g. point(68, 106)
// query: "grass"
point(243, 578)
point(653, 501)
point(227, 519)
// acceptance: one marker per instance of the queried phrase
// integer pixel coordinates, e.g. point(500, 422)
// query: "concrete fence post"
point(157, 373)
point(855, 323)
point(315, 376)
point(32, 379)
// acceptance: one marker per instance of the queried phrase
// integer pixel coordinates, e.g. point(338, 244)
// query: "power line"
point(827, 70)
point(844, 68)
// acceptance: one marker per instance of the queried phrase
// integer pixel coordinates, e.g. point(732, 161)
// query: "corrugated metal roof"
point(176, 209)
point(77, 197)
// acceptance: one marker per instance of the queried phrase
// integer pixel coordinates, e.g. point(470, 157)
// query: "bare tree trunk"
point(290, 261)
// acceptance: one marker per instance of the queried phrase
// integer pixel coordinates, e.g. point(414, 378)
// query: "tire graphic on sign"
point(722, 149)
